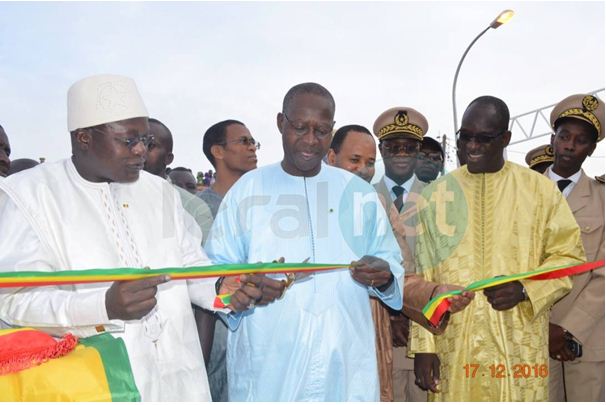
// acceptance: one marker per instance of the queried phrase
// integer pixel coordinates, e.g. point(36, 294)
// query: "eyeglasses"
point(434, 157)
point(245, 141)
point(301, 128)
point(130, 143)
point(479, 138)
point(396, 148)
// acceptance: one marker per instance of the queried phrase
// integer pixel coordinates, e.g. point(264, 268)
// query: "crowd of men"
point(353, 334)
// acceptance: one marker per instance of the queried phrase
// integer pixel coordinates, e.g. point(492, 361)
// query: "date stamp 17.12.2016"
point(474, 370)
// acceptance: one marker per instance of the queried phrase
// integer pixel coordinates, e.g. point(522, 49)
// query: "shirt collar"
point(407, 185)
point(555, 177)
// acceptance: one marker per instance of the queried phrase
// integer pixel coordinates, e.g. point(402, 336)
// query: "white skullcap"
point(102, 99)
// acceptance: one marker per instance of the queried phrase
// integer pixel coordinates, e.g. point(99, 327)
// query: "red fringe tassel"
point(28, 348)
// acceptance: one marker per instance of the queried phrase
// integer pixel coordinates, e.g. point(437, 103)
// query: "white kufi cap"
point(102, 99)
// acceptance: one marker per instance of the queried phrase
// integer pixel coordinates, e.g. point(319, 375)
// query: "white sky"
point(200, 63)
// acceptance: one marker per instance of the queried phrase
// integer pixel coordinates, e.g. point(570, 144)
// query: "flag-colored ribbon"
point(45, 278)
point(435, 308)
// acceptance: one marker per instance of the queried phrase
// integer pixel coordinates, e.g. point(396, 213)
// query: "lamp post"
point(496, 23)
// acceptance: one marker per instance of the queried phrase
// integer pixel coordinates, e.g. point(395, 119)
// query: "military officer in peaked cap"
point(576, 329)
point(400, 131)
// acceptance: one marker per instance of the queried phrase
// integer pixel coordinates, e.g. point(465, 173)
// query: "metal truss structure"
point(535, 124)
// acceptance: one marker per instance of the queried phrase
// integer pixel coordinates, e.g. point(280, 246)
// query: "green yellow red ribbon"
point(435, 308)
point(15, 279)
point(45, 278)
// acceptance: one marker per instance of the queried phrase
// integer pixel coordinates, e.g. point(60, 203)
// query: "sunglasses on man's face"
point(130, 143)
point(485, 139)
point(395, 148)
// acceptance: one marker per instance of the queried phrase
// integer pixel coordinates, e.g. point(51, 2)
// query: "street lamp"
point(496, 23)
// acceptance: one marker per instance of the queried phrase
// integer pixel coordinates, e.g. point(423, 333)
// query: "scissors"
point(291, 278)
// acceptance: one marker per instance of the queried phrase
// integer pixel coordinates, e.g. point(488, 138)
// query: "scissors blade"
point(301, 276)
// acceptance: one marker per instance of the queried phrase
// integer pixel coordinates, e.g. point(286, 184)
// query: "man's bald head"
point(163, 132)
point(494, 110)
point(307, 88)
point(160, 151)
point(484, 135)
point(184, 178)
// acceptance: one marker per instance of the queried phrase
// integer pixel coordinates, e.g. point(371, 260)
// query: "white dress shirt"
point(574, 180)
point(407, 185)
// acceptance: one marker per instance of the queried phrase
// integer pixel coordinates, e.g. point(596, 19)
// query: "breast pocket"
point(592, 234)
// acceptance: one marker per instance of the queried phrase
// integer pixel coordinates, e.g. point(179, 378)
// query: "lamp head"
point(502, 18)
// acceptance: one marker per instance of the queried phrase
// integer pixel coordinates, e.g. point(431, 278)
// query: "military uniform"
point(403, 122)
point(581, 312)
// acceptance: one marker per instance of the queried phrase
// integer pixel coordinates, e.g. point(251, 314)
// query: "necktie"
point(399, 201)
point(562, 184)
